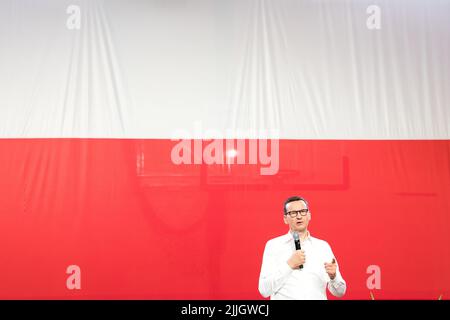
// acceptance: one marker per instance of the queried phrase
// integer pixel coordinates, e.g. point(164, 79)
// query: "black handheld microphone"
point(297, 244)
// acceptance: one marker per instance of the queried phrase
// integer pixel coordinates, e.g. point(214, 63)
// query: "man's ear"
point(285, 220)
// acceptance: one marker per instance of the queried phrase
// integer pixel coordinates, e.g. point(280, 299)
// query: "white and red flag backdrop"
point(353, 97)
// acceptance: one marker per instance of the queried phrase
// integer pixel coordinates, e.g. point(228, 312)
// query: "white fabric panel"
point(286, 68)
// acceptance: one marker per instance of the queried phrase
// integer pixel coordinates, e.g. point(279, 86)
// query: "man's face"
point(299, 223)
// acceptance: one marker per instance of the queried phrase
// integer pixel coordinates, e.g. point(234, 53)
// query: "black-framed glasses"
point(295, 213)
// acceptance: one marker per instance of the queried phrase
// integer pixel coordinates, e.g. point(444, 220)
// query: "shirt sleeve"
point(274, 273)
point(337, 286)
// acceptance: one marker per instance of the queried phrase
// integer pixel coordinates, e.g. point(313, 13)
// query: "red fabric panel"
point(141, 227)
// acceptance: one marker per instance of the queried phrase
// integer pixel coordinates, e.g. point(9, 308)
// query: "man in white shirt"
point(282, 278)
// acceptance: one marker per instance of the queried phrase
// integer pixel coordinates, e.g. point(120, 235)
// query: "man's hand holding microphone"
point(297, 259)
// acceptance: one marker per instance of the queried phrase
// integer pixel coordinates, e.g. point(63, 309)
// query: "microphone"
point(297, 244)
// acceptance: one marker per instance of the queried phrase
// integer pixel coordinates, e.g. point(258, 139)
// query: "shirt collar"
point(288, 237)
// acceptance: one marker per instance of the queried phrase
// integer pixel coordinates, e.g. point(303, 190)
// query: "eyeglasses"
point(295, 213)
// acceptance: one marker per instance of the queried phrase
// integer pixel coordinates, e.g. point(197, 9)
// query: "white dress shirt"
point(280, 282)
